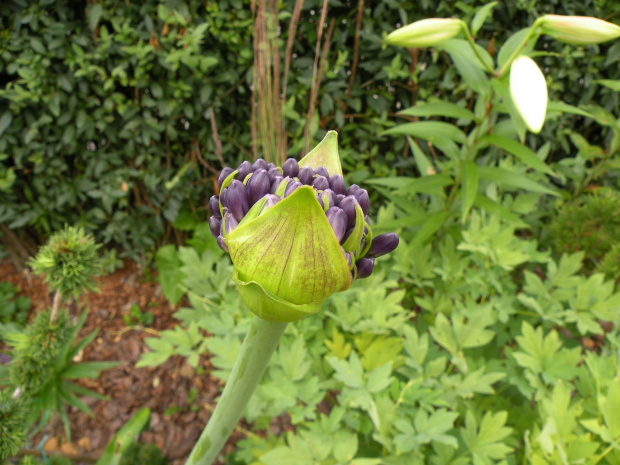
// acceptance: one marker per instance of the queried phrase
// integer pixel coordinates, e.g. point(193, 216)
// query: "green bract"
point(287, 260)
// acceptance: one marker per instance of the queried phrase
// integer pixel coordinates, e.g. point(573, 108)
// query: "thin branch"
point(55, 306)
point(356, 44)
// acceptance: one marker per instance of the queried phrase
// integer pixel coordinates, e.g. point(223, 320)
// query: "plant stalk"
point(258, 346)
point(55, 306)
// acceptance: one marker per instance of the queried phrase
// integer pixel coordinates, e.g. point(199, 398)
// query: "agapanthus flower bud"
point(353, 188)
point(321, 171)
point(362, 198)
point(260, 164)
point(338, 221)
point(382, 244)
point(215, 225)
point(294, 240)
point(348, 206)
point(320, 183)
point(244, 169)
point(337, 184)
point(258, 186)
point(290, 168)
point(364, 267)
point(305, 175)
point(214, 206)
point(238, 202)
point(223, 175)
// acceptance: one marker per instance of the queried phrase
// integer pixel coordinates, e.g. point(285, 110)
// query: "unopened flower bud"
point(290, 168)
point(321, 171)
point(215, 225)
point(229, 224)
point(364, 267)
point(244, 169)
point(221, 244)
point(328, 199)
point(214, 206)
point(336, 183)
point(224, 197)
point(362, 198)
point(382, 244)
point(528, 90)
point(425, 33)
point(353, 188)
point(305, 175)
point(258, 186)
point(275, 184)
point(348, 206)
point(320, 183)
point(260, 164)
point(578, 30)
point(238, 203)
point(290, 187)
point(338, 221)
point(339, 198)
point(223, 175)
point(273, 172)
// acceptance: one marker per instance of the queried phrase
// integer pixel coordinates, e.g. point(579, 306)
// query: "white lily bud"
point(528, 90)
point(579, 30)
point(425, 33)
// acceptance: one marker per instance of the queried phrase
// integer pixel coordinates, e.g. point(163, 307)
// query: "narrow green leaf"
point(609, 83)
point(480, 17)
point(425, 166)
point(469, 185)
point(510, 179)
point(5, 121)
point(430, 227)
point(520, 151)
point(124, 437)
point(482, 201)
point(561, 107)
point(468, 64)
point(446, 109)
point(432, 131)
point(87, 369)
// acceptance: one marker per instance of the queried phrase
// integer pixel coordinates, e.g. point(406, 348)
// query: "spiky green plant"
point(35, 348)
point(12, 424)
point(69, 262)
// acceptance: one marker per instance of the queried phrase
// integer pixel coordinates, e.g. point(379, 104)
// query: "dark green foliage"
point(51, 460)
point(34, 350)
point(591, 224)
point(69, 262)
point(106, 108)
point(12, 309)
point(12, 424)
point(142, 454)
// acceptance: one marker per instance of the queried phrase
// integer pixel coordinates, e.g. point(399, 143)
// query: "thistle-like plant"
point(12, 424)
point(296, 235)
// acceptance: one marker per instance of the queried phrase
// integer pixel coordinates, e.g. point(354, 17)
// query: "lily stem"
point(258, 346)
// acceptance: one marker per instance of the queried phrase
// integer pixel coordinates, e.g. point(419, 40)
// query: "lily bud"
point(383, 244)
point(425, 33)
point(578, 30)
point(528, 90)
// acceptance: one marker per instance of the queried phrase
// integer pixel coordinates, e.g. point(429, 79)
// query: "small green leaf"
point(446, 109)
point(481, 16)
point(520, 151)
point(510, 179)
point(469, 187)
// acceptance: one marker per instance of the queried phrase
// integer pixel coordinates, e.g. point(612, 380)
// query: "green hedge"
point(107, 109)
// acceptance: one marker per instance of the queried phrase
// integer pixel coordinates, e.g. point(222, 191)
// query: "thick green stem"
point(258, 346)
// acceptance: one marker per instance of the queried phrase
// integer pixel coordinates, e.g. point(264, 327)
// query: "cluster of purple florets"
point(338, 202)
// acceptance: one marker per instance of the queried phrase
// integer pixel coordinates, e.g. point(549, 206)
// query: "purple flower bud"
point(290, 168)
point(230, 223)
point(336, 183)
point(270, 201)
point(215, 226)
point(382, 244)
point(321, 171)
point(348, 205)
point(244, 169)
point(238, 200)
point(258, 186)
point(328, 198)
point(362, 198)
point(223, 175)
point(222, 244)
point(347, 257)
point(260, 164)
point(338, 221)
point(305, 175)
point(364, 267)
point(320, 200)
point(275, 184)
point(353, 188)
point(348, 232)
point(214, 206)
point(224, 197)
point(339, 198)
point(273, 172)
point(291, 186)
point(320, 183)
point(271, 165)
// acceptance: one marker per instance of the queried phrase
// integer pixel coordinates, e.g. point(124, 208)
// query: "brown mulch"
point(127, 387)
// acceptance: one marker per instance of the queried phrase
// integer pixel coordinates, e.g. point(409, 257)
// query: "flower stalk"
point(258, 346)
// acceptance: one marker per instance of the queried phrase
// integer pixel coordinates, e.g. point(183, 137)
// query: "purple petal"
point(364, 267)
point(238, 200)
point(336, 183)
point(338, 221)
point(290, 168)
point(223, 175)
point(383, 244)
